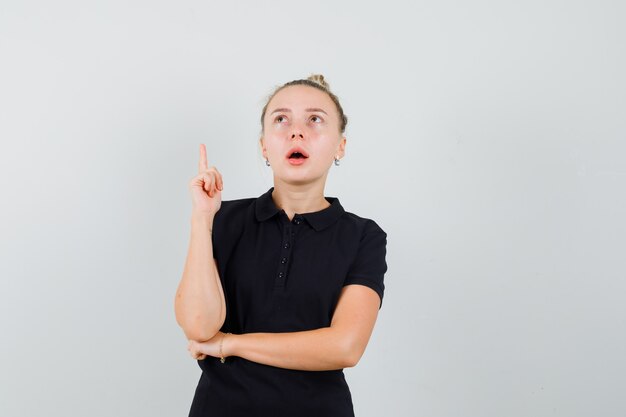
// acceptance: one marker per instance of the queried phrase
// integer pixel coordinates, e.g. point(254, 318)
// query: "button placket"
point(288, 238)
point(281, 275)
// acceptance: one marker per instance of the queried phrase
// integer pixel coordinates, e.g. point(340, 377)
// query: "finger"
point(210, 185)
point(216, 175)
point(207, 182)
point(196, 354)
point(215, 183)
point(203, 164)
point(219, 183)
point(210, 182)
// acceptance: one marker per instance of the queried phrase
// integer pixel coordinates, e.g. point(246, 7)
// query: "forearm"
point(200, 305)
point(311, 350)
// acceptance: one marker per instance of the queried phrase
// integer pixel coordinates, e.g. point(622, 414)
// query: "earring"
point(336, 161)
point(267, 162)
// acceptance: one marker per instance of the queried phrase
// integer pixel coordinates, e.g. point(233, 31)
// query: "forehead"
point(298, 97)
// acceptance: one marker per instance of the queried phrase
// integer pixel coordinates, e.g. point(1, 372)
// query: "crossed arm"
point(339, 346)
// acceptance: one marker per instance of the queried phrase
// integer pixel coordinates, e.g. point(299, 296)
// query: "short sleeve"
point(369, 266)
point(216, 234)
point(227, 228)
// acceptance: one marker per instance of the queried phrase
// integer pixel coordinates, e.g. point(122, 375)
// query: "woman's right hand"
point(206, 188)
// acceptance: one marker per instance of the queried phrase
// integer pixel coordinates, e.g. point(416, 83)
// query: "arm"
point(339, 346)
point(200, 305)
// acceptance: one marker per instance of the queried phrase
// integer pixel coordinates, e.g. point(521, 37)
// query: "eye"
point(317, 117)
point(279, 118)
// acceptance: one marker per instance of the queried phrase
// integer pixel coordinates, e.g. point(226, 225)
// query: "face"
point(306, 118)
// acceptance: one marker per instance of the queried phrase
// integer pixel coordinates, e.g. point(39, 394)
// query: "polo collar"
point(266, 208)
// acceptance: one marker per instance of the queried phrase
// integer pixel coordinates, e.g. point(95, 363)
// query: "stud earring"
point(267, 162)
point(336, 161)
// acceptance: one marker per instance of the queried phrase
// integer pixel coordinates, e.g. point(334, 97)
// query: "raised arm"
point(199, 304)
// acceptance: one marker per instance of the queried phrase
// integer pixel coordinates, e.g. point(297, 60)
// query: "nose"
point(296, 132)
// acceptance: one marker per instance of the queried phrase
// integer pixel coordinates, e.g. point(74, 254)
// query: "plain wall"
point(486, 139)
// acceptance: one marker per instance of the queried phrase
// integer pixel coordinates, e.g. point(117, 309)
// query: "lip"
point(297, 161)
point(297, 149)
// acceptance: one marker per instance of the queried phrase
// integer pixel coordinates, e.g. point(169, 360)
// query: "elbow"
point(201, 333)
point(199, 329)
point(352, 354)
point(351, 360)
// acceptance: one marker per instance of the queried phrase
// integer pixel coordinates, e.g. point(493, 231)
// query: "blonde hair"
point(315, 81)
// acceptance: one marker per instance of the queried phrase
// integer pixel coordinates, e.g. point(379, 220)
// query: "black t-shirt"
point(284, 276)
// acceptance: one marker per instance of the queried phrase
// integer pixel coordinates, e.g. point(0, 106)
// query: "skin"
point(300, 189)
point(199, 304)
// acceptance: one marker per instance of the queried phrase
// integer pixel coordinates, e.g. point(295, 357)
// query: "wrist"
point(229, 345)
point(202, 218)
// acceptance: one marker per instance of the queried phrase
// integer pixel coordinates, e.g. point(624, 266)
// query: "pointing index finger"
point(203, 164)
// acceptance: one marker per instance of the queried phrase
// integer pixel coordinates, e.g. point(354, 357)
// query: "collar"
point(266, 208)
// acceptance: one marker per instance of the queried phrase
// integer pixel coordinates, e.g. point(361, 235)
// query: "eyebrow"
point(285, 110)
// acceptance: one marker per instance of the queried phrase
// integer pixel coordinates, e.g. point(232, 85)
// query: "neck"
point(300, 199)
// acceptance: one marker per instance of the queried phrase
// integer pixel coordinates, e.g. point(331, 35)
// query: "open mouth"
point(297, 153)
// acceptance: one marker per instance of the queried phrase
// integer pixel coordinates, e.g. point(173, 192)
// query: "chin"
point(300, 178)
point(297, 180)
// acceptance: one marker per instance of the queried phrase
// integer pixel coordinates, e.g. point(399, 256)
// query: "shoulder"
point(229, 223)
point(232, 213)
point(365, 226)
point(234, 207)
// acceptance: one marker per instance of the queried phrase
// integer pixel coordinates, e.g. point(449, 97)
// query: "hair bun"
point(319, 78)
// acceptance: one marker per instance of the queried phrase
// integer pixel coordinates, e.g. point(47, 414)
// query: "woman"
point(296, 284)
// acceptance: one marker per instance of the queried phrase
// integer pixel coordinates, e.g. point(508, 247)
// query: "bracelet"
point(222, 359)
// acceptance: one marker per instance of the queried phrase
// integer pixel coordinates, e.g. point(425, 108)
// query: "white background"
point(486, 139)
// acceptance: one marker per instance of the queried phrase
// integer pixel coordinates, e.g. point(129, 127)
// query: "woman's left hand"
point(211, 347)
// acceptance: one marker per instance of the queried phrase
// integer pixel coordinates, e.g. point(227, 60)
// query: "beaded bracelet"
point(222, 359)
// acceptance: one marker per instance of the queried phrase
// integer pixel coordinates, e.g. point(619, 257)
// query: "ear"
point(262, 146)
point(341, 149)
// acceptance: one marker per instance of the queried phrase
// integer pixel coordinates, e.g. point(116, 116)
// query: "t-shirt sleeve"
point(224, 229)
point(227, 228)
point(217, 233)
point(369, 266)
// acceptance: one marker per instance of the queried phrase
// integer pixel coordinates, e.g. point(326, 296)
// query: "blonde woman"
point(281, 292)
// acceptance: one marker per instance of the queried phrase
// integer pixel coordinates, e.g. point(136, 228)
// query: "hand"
point(206, 188)
point(200, 350)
